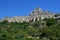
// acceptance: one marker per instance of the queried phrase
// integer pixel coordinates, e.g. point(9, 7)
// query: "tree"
point(50, 22)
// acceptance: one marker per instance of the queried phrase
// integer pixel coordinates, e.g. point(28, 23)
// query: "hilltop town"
point(38, 25)
point(36, 15)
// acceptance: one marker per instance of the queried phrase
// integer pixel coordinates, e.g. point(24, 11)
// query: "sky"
point(24, 7)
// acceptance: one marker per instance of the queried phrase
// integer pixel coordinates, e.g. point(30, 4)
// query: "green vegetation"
point(30, 31)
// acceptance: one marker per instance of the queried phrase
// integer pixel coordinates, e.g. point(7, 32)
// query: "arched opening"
point(35, 19)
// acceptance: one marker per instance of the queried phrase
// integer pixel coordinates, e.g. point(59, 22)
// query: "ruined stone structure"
point(36, 15)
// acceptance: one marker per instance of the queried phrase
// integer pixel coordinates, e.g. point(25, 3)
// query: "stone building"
point(39, 14)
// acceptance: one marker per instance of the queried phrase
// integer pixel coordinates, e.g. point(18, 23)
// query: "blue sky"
point(24, 7)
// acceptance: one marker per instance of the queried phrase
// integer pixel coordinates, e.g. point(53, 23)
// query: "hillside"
point(48, 29)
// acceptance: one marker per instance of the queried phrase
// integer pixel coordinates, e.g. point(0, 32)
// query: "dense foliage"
point(30, 31)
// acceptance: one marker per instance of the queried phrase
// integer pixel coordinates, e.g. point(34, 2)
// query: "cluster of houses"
point(36, 15)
